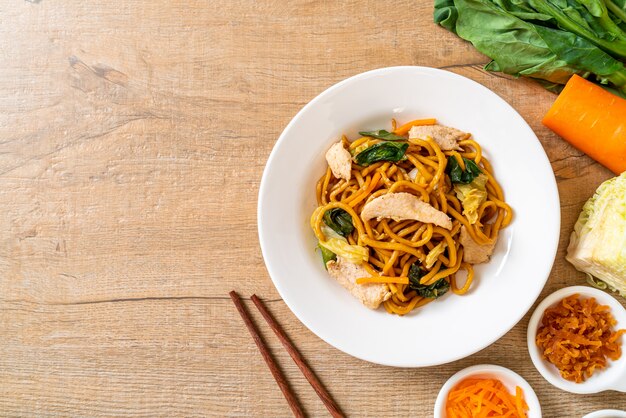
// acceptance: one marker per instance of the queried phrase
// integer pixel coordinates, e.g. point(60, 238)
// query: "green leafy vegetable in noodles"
point(458, 175)
point(433, 291)
point(383, 151)
point(339, 220)
point(338, 244)
point(472, 196)
point(382, 134)
point(327, 255)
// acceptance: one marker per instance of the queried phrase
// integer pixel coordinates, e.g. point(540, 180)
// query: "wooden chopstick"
point(278, 375)
point(332, 407)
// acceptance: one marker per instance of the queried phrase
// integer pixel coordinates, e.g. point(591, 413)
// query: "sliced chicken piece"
point(401, 206)
point(346, 273)
point(340, 161)
point(444, 136)
point(473, 252)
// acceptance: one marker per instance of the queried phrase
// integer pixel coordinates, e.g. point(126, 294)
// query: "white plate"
point(453, 327)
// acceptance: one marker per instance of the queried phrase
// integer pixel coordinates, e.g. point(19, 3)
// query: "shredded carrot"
point(591, 119)
point(404, 129)
point(577, 336)
point(473, 398)
point(519, 401)
point(382, 279)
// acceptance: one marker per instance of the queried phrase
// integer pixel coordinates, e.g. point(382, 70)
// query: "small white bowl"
point(611, 378)
point(509, 378)
point(607, 413)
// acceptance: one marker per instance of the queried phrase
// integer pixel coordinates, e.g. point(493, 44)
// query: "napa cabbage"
point(340, 246)
point(598, 243)
point(434, 254)
point(472, 195)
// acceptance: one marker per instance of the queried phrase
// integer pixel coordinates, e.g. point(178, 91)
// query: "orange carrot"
point(382, 279)
point(593, 120)
point(404, 129)
point(519, 401)
point(484, 398)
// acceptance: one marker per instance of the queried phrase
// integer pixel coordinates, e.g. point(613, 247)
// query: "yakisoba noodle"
point(395, 245)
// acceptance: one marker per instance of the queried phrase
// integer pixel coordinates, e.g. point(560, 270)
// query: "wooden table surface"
point(133, 138)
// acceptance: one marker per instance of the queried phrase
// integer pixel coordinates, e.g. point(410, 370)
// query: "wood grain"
point(295, 355)
point(132, 140)
point(283, 384)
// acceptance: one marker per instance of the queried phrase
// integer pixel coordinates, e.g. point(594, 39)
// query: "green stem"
point(618, 79)
point(609, 25)
point(617, 11)
point(616, 47)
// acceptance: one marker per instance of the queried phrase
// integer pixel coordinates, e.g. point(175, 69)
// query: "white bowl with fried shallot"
point(613, 377)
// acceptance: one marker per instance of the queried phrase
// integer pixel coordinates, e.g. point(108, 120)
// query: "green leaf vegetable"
point(469, 186)
point(472, 196)
point(591, 21)
point(433, 291)
point(339, 245)
point(458, 175)
point(549, 40)
point(327, 255)
point(339, 220)
point(598, 244)
point(382, 134)
point(383, 151)
point(618, 8)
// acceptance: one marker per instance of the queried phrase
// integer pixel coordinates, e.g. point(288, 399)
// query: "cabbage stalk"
point(434, 254)
point(472, 195)
point(337, 244)
point(598, 243)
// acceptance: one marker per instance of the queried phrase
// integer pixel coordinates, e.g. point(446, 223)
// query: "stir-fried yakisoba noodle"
point(400, 213)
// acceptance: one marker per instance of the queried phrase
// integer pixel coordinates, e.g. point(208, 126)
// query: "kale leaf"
point(327, 255)
point(383, 151)
point(382, 134)
point(339, 221)
point(433, 291)
point(548, 40)
point(458, 175)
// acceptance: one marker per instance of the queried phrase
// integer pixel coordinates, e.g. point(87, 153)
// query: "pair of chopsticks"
point(293, 352)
